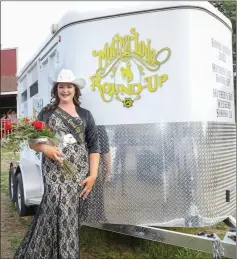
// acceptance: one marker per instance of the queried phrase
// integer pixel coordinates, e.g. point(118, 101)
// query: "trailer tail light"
point(59, 38)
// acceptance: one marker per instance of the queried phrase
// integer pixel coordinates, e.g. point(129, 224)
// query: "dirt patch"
point(13, 228)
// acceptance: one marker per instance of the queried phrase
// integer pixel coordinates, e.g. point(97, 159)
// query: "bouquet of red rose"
point(34, 132)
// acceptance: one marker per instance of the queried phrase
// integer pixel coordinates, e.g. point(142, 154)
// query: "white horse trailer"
point(160, 87)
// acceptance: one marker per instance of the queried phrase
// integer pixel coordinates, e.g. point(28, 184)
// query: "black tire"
point(22, 209)
point(12, 184)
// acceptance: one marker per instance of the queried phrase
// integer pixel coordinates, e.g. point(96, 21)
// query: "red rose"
point(26, 120)
point(39, 125)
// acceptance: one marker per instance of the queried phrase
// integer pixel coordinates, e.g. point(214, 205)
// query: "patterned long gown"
point(54, 231)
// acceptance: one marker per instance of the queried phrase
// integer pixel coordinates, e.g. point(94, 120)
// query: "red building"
point(8, 89)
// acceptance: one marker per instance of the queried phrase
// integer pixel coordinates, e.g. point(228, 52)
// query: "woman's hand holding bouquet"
point(36, 132)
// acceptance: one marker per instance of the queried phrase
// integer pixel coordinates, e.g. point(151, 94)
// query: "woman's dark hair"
point(54, 102)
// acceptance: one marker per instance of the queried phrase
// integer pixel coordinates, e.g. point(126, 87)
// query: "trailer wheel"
point(12, 184)
point(22, 209)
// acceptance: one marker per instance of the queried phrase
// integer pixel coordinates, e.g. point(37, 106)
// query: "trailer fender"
point(32, 182)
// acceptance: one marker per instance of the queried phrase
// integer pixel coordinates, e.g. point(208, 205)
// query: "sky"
point(26, 24)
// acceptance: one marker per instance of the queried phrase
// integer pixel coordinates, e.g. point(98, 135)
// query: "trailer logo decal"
point(122, 68)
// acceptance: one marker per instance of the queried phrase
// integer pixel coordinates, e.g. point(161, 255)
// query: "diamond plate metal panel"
point(170, 174)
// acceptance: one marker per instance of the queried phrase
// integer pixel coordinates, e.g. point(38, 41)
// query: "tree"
point(228, 8)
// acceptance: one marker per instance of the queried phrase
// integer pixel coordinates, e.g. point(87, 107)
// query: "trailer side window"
point(34, 89)
point(24, 96)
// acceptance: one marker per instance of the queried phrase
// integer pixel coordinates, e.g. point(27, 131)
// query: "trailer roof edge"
point(72, 17)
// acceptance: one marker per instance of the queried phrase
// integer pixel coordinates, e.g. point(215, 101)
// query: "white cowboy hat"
point(67, 76)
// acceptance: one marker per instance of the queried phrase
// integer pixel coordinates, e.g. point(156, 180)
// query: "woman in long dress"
point(54, 231)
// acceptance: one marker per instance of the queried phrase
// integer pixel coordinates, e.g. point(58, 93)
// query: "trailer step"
point(34, 201)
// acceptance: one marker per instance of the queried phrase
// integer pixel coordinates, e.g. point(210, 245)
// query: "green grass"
point(15, 241)
point(101, 244)
point(4, 182)
point(5, 149)
point(6, 158)
point(106, 245)
point(5, 155)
